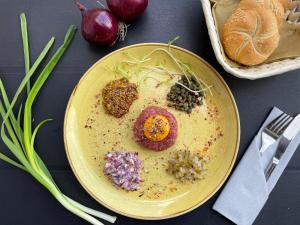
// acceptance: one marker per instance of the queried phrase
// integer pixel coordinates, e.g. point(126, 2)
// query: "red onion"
point(127, 10)
point(98, 26)
point(123, 169)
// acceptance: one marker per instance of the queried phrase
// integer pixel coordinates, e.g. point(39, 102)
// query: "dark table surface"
point(24, 201)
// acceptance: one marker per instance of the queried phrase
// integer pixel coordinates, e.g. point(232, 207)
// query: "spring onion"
point(20, 139)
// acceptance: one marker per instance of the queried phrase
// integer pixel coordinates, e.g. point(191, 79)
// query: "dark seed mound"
point(182, 99)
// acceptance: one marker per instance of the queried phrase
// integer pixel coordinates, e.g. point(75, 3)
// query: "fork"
point(274, 130)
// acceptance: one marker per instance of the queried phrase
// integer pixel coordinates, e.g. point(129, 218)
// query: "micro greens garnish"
point(20, 139)
point(184, 67)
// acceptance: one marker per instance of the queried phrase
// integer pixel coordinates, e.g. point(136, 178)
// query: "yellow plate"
point(89, 133)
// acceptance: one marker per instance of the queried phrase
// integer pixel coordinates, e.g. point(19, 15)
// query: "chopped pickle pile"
point(186, 166)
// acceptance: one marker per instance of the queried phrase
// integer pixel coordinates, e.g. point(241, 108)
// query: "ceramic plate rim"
point(173, 214)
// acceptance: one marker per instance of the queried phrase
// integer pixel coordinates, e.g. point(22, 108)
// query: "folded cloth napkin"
point(247, 190)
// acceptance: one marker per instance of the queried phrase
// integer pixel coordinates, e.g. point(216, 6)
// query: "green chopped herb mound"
point(16, 131)
point(186, 166)
point(183, 99)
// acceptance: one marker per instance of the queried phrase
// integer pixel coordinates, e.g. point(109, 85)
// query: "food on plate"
point(181, 98)
point(187, 166)
point(274, 5)
point(250, 35)
point(127, 10)
point(118, 96)
point(150, 130)
point(123, 169)
point(155, 128)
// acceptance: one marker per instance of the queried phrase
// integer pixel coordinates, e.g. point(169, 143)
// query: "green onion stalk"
point(16, 131)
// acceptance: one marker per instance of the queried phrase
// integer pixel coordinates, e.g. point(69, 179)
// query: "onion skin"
point(127, 10)
point(99, 26)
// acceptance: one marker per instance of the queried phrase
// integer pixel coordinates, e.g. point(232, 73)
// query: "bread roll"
point(250, 35)
point(274, 5)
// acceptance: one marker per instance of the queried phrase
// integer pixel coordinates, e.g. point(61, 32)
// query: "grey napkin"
point(247, 191)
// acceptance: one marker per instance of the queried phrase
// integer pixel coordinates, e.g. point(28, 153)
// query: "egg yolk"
point(156, 128)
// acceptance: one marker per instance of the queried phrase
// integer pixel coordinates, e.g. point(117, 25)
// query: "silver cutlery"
point(288, 135)
point(274, 130)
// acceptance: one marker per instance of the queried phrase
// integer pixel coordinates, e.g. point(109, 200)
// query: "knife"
point(288, 135)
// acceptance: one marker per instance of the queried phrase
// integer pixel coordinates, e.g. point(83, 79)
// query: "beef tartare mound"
point(155, 128)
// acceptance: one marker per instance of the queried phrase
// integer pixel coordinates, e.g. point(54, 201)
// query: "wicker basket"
point(252, 73)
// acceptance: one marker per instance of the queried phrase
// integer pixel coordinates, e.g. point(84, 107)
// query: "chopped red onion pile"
point(123, 168)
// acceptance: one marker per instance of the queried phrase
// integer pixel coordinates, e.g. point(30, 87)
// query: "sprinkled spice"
point(153, 191)
point(89, 122)
point(123, 169)
point(186, 166)
point(118, 96)
point(210, 142)
point(183, 99)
